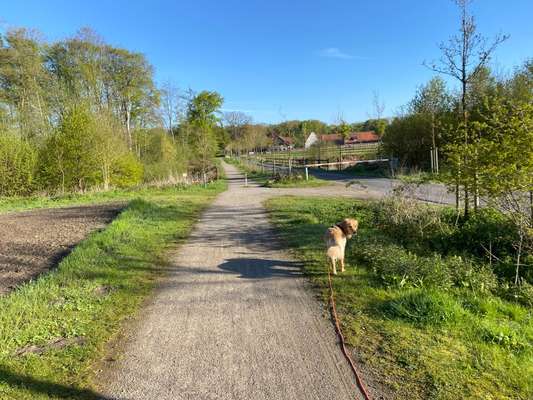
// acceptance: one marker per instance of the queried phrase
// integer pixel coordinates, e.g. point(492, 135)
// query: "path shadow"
point(40, 387)
point(256, 268)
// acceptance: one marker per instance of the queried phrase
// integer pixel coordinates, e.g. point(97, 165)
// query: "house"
point(353, 138)
point(362, 137)
point(332, 139)
point(311, 140)
point(282, 142)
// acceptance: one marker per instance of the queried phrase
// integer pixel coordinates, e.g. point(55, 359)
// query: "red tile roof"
point(363, 137)
point(331, 138)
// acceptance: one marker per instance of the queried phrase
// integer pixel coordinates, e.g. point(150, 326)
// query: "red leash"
point(341, 337)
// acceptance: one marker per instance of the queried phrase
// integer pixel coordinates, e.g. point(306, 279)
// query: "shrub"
point(69, 159)
point(423, 307)
point(410, 222)
point(17, 165)
point(160, 156)
point(127, 171)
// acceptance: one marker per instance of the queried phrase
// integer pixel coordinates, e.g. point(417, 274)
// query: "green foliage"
point(160, 155)
point(17, 166)
point(69, 158)
point(202, 119)
point(127, 171)
point(409, 139)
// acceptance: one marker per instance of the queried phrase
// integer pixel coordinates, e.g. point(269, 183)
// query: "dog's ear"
point(345, 225)
point(350, 225)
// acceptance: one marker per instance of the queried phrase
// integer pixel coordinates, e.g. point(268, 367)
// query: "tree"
point(408, 137)
point(23, 80)
point(17, 165)
point(505, 151)
point(202, 117)
point(432, 100)
point(69, 158)
point(170, 106)
point(235, 123)
point(463, 57)
point(132, 87)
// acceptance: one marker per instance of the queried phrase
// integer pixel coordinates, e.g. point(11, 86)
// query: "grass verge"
point(9, 204)
point(93, 290)
point(420, 341)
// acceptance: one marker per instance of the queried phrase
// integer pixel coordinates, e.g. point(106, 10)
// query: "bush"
point(424, 307)
point(160, 156)
point(127, 171)
point(69, 159)
point(410, 222)
point(17, 166)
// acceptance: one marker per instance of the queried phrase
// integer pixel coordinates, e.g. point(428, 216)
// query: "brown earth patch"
point(33, 242)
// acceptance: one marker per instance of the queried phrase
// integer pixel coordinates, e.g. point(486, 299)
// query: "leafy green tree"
point(134, 96)
point(433, 101)
point(17, 165)
point(23, 80)
point(463, 57)
point(202, 118)
point(408, 137)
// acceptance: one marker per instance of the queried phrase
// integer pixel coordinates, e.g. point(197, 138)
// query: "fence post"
point(290, 166)
point(306, 173)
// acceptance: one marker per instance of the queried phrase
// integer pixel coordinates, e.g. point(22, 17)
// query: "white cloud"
point(334, 52)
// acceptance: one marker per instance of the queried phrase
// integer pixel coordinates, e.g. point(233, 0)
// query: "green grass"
point(8, 204)
point(126, 260)
point(266, 179)
point(422, 342)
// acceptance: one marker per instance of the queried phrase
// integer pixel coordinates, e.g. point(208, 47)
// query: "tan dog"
point(336, 237)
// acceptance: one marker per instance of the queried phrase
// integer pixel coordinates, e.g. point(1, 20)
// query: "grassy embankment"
point(297, 180)
point(93, 290)
point(419, 305)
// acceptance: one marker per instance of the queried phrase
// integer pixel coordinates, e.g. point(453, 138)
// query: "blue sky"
point(291, 59)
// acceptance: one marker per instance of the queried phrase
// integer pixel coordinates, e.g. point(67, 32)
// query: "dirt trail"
point(234, 319)
point(32, 242)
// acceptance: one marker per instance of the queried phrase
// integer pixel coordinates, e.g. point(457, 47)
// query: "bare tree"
point(378, 105)
point(235, 122)
point(463, 57)
point(170, 105)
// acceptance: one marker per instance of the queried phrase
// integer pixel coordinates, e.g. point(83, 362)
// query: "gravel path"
point(32, 242)
point(233, 320)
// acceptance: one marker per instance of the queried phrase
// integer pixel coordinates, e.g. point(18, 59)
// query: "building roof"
point(286, 140)
point(362, 137)
point(333, 137)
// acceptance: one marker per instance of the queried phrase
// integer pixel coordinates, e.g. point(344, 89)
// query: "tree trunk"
point(465, 127)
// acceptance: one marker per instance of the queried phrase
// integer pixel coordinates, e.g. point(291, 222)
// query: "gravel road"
point(234, 319)
point(32, 242)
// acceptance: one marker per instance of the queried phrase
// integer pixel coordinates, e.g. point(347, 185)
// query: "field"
point(54, 329)
point(428, 322)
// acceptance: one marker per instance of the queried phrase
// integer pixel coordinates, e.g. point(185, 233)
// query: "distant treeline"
point(243, 135)
point(80, 113)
